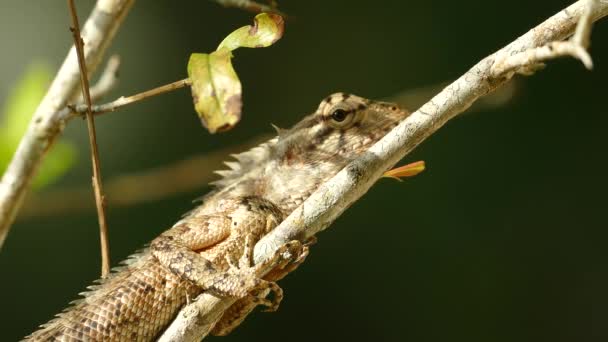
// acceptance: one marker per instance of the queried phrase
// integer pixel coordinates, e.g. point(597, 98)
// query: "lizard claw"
point(293, 251)
point(243, 280)
point(289, 252)
point(292, 255)
point(264, 288)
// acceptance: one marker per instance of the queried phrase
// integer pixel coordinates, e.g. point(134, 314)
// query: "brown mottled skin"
point(209, 250)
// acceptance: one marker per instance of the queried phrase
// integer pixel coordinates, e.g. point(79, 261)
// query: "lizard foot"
point(285, 268)
point(242, 279)
point(292, 251)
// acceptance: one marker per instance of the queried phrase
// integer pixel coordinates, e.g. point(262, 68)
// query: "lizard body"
point(210, 249)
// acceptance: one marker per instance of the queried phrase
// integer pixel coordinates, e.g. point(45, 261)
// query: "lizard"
point(210, 248)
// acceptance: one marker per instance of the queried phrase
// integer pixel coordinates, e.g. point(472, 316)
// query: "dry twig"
point(251, 6)
point(126, 100)
point(96, 180)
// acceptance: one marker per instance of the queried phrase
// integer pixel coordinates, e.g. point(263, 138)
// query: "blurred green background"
point(503, 238)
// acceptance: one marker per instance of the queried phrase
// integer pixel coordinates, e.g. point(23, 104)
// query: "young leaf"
point(216, 90)
point(266, 30)
point(408, 170)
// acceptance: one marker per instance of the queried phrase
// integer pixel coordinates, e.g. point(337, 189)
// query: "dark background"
point(501, 239)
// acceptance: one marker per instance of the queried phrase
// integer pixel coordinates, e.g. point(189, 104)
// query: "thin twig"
point(334, 196)
point(528, 61)
point(106, 82)
point(123, 101)
point(48, 121)
point(251, 6)
point(414, 98)
point(108, 79)
point(96, 180)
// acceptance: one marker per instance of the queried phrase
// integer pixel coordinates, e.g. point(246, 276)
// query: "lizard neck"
point(285, 184)
point(283, 170)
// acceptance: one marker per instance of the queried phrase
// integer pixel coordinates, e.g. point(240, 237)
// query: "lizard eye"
point(339, 115)
point(341, 110)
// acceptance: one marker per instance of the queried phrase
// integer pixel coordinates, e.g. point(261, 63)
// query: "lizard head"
point(342, 127)
point(286, 169)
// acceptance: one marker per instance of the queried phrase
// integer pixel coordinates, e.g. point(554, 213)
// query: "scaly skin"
point(210, 249)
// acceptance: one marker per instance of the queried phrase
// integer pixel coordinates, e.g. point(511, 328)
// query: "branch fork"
point(530, 60)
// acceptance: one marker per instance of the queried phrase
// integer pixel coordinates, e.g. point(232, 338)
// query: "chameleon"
point(210, 248)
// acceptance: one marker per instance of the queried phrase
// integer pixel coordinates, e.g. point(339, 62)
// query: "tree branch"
point(196, 320)
point(333, 197)
point(47, 122)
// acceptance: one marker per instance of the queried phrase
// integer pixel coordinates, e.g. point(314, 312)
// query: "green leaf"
point(266, 30)
point(216, 89)
point(16, 115)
